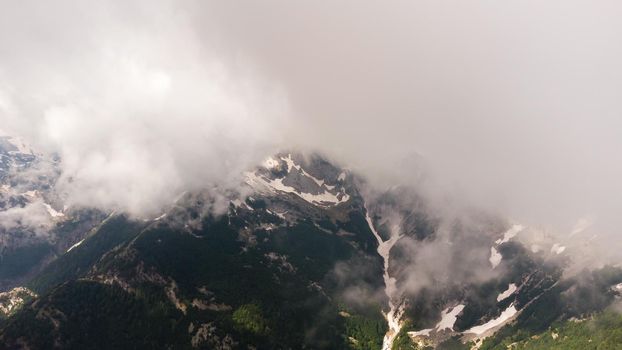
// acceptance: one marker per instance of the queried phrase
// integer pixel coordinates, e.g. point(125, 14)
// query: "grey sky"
point(514, 105)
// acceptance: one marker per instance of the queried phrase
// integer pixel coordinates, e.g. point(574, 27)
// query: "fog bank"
point(513, 106)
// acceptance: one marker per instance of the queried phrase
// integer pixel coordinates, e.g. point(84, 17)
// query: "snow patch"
point(448, 318)
point(73, 246)
point(505, 316)
point(509, 234)
point(323, 199)
point(396, 311)
point(423, 332)
point(506, 294)
point(291, 165)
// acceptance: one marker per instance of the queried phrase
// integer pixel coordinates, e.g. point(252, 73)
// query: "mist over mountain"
point(514, 105)
point(407, 174)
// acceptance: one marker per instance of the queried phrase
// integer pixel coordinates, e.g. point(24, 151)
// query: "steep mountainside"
point(308, 257)
point(35, 225)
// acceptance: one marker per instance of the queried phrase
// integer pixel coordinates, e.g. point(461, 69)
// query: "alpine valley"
point(304, 254)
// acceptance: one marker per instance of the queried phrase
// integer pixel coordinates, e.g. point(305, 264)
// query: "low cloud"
point(511, 106)
point(34, 217)
point(135, 109)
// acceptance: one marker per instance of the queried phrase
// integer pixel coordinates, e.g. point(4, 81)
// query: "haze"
point(512, 106)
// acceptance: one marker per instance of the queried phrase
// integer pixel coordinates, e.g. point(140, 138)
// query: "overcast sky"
point(514, 105)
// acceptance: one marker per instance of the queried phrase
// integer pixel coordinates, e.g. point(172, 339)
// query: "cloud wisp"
point(514, 105)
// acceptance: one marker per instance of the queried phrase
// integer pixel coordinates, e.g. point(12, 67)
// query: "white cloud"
point(514, 105)
point(136, 111)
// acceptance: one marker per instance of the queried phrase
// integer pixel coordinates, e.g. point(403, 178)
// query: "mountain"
point(35, 226)
point(303, 255)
